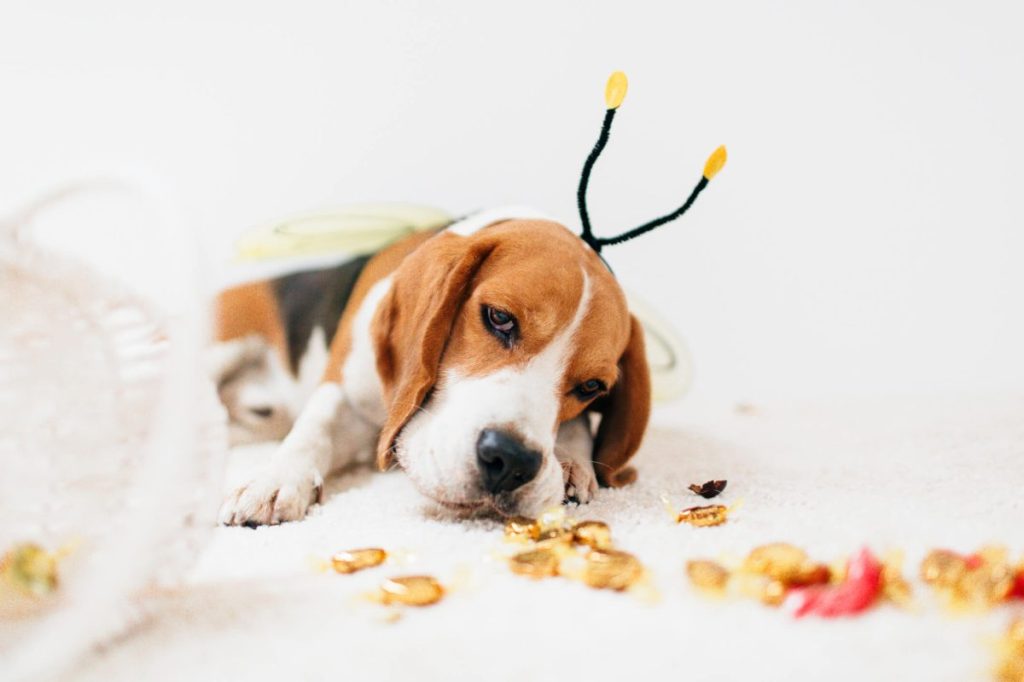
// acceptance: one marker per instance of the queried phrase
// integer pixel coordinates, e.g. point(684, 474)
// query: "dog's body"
point(471, 356)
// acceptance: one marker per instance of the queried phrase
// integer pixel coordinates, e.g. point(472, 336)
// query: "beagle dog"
point(471, 357)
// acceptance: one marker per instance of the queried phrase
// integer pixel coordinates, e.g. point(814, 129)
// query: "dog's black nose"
point(505, 462)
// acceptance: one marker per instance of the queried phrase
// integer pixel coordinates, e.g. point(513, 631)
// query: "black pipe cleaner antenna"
point(614, 93)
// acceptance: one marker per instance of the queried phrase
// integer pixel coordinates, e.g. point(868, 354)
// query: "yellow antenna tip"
point(615, 91)
point(715, 162)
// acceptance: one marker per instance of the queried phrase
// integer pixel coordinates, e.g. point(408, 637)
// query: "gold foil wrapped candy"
point(612, 569)
point(413, 590)
point(708, 575)
point(708, 515)
point(350, 561)
point(1011, 654)
point(593, 534)
point(773, 593)
point(942, 568)
point(535, 563)
point(976, 581)
point(895, 587)
point(521, 529)
point(778, 560)
point(30, 569)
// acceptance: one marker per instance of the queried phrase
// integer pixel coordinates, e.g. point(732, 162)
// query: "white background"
point(864, 238)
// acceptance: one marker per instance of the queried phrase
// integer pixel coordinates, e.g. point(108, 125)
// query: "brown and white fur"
point(416, 375)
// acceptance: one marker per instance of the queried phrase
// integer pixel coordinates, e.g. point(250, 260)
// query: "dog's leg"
point(327, 435)
point(574, 449)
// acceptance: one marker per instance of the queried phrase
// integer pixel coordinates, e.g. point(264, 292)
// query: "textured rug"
point(910, 474)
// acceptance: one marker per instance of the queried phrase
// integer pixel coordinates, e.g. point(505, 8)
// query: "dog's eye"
point(589, 389)
point(500, 323)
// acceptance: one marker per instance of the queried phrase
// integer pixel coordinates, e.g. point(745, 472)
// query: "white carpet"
point(907, 474)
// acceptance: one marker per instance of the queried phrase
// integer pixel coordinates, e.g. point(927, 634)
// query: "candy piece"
point(521, 528)
point(773, 593)
point(710, 515)
point(857, 592)
point(593, 534)
point(350, 561)
point(709, 489)
point(942, 568)
point(895, 588)
point(1011, 654)
point(556, 536)
point(1017, 590)
point(612, 569)
point(413, 590)
point(778, 560)
point(30, 569)
point(552, 519)
point(987, 584)
point(535, 563)
point(707, 575)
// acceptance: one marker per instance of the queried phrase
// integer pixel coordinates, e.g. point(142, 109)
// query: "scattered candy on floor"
point(554, 540)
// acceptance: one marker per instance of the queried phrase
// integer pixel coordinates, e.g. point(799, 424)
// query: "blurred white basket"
point(111, 438)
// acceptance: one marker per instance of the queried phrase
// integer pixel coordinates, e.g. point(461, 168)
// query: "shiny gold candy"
point(773, 593)
point(353, 560)
point(1011, 654)
point(895, 588)
point(413, 590)
point(708, 515)
point(553, 536)
point(535, 563)
point(612, 569)
point(593, 534)
point(985, 585)
point(30, 569)
point(779, 561)
point(942, 568)
point(521, 529)
point(707, 575)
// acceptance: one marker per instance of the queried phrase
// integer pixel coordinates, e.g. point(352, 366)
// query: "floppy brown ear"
point(413, 323)
point(625, 411)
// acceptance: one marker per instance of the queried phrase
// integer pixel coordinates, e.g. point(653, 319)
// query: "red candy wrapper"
point(857, 592)
point(1017, 591)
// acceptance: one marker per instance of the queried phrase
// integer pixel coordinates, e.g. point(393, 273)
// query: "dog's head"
point(485, 344)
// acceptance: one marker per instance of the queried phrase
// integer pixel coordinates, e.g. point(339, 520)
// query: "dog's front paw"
point(273, 497)
point(580, 481)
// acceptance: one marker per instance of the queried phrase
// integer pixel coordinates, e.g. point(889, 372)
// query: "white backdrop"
point(864, 238)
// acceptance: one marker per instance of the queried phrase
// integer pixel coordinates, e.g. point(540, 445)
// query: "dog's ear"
point(625, 411)
point(413, 323)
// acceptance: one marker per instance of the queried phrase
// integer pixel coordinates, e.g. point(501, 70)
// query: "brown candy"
point(612, 569)
point(593, 534)
point(521, 529)
point(535, 563)
point(413, 590)
point(350, 561)
point(709, 489)
point(707, 575)
point(710, 515)
point(30, 569)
